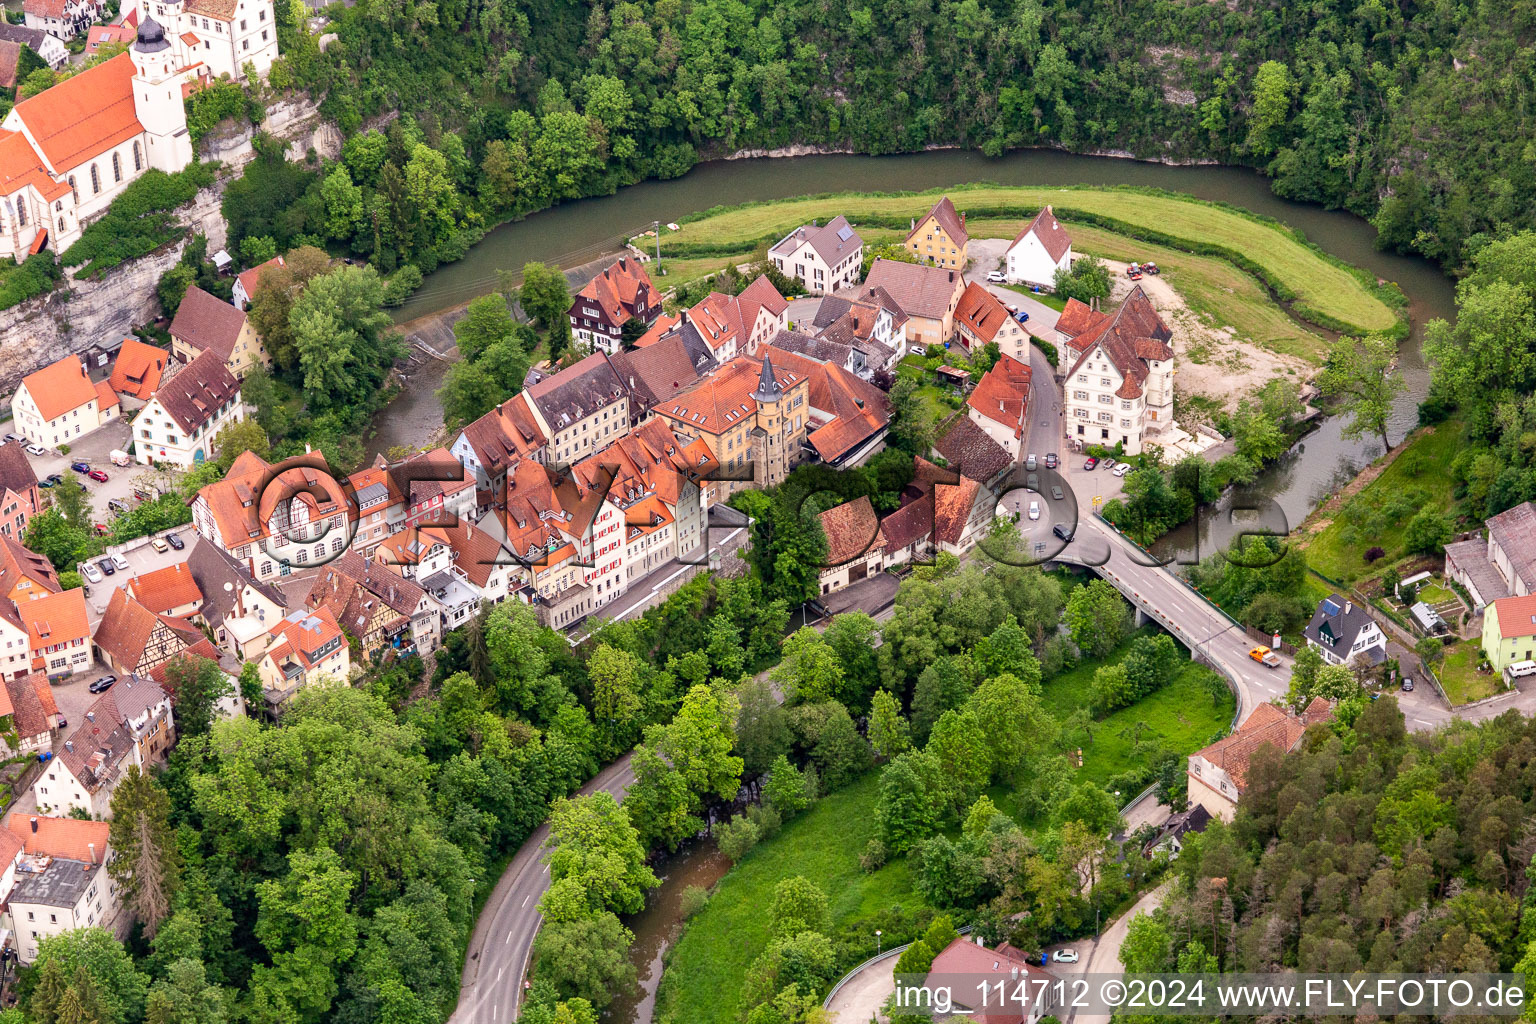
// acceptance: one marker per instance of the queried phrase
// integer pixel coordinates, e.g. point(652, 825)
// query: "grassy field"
point(1421, 466)
point(1460, 678)
point(1318, 284)
point(704, 970)
point(1433, 594)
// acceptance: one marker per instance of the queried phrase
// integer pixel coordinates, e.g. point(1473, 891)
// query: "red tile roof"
point(85, 115)
point(724, 399)
point(205, 321)
point(953, 223)
point(31, 704)
point(10, 55)
point(981, 313)
point(21, 167)
point(55, 619)
point(664, 323)
point(250, 280)
point(918, 290)
point(1131, 336)
point(1002, 395)
point(1267, 726)
point(195, 395)
point(1051, 234)
point(138, 369)
point(1517, 616)
point(17, 561)
point(69, 838)
point(759, 295)
point(852, 529)
point(167, 588)
point(964, 958)
point(61, 387)
point(619, 290)
point(1077, 318)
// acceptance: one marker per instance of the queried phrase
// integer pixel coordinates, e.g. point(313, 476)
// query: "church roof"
point(84, 115)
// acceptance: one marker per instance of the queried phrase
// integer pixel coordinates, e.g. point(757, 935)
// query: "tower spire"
point(768, 389)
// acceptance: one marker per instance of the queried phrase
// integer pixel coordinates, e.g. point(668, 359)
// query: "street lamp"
point(878, 946)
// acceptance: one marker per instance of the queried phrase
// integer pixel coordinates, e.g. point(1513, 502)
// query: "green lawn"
point(986, 229)
point(704, 971)
point(1433, 594)
point(1338, 549)
point(1319, 284)
point(1460, 678)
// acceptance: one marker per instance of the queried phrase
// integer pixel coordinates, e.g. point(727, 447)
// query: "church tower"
point(157, 99)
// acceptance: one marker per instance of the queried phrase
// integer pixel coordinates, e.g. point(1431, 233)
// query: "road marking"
point(500, 973)
point(527, 898)
point(509, 939)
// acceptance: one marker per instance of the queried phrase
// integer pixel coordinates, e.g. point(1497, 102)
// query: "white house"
point(128, 725)
point(1342, 631)
point(1037, 252)
point(181, 420)
point(1219, 773)
point(54, 879)
point(67, 152)
point(217, 37)
point(1118, 388)
point(62, 19)
point(49, 47)
point(823, 259)
point(60, 404)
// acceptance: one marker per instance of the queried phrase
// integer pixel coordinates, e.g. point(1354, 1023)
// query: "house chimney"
point(1349, 606)
point(34, 823)
point(983, 945)
point(962, 218)
point(92, 847)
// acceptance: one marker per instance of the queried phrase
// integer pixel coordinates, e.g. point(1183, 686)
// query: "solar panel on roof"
point(1329, 608)
point(844, 233)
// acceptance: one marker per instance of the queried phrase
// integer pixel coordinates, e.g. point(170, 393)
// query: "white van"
point(1520, 668)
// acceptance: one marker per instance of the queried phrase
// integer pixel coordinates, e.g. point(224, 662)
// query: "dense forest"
point(1416, 115)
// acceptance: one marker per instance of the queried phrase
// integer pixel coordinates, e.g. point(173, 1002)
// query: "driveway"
point(802, 311)
point(94, 448)
point(862, 995)
point(1105, 955)
point(142, 558)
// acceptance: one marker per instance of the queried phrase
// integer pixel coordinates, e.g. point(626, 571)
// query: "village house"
point(307, 646)
point(132, 640)
point(848, 418)
point(171, 590)
point(34, 715)
point(99, 36)
point(218, 38)
point(1119, 388)
point(855, 546)
point(19, 499)
point(128, 725)
point(939, 238)
point(275, 519)
point(58, 633)
point(138, 369)
point(248, 282)
point(205, 323)
point(1219, 773)
point(733, 325)
point(492, 444)
point(62, 19)
point(181, 422)
point(25, 575)
point(871, 327)
point(982, 320)
point(656, 372)
point(621, 293)
point(49, 47)
point(15, 643)
point(1503, 565)
point(1003, 968)
point(999, 405)
point(581, 410)
point(59, 404)
point(823, 259)
point(971, 451)
point(54, 879)
point(67, 152)
point(1038, 251)
point(1342, 631)
point(926, 295)
point(239, 610)
point(1509, 631)
point(383, 610)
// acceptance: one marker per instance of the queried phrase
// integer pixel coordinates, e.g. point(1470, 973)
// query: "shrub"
point(736, 837)
point(139, 221)
point(400, 285)
point(694, 899)
point(63, 449)
point(20, 282)
point(1371, 554)
point(874, 856)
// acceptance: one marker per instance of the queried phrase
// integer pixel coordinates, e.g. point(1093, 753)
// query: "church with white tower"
point(67, 152)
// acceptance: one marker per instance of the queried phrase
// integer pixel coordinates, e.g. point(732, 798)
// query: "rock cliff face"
point(296, 121)
point(98, 311)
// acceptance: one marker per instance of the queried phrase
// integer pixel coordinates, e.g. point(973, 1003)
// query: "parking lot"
point(141, 559)
point(94, 448)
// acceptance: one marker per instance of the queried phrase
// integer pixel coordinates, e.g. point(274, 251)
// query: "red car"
point(98, 475)
point(1090, 463)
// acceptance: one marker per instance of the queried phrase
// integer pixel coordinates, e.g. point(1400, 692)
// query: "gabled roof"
point(757, 296)
point(196, 393)
point(18, 561)
point(619, 290)
point(1514, 531)
point(658, 371)
point(302, 633)
point(163, 589)
point(244, 502)
point(1130, 337)
point(504, 435)
point(1336, 622)
point(659, 329)
point(60, 387)
point(21, 167)
point(101, 740)
point(717, 317)
point(1050, 233)
point(68, 838)
point(84, 115)
point(125, 629)
point(220, 578)
point(250, 280)
point(1517, 616)
point(29, 701)
point(910, 523)
point(1002, 395)
point(979, 312)
point(852, 529)
point(916, 289)
point(10, 56)
point(16, 473)
point(1267, 726)
point(138, 368)
point(953, 223)
point(724, 399)
point(952, 505)
point(970, 450)
point(576, 392)
point(834, 242)
point(55, 619)
point(206, 322)
point(1077, 318)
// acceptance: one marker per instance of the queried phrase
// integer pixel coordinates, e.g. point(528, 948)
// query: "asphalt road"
point(502, 942)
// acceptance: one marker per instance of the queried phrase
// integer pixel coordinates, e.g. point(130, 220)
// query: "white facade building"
point(181, 421)
point(1119, 385)
point(823, 259)
point(1037, 252)
point(216, 38)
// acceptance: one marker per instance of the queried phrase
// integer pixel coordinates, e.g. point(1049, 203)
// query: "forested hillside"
point(1415, 114)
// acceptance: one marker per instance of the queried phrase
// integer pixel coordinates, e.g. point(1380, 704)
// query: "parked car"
point(1092, 462)
point(1063, 531)
point(36, 449)
point(1122, 469)
point(1051, 461)
point(159, 544)
point(1066, 956)
point(48, 483)
point(103, 684)
point(13, 437)
point(99, 475)
point(1031, 463)
point(117, 506)
point(80, 467)
point(1056, 494)
point(90, 572)
point(174, 541)
point(1407, 684)
point(1107, 462)
point(1022, 316)
point(995, 277)
point(1034, 510)
point(916, 350)
point(106, 566)
point(120, 562)
point(1032, 481)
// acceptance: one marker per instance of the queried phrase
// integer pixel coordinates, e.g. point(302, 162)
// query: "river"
point(580, 231)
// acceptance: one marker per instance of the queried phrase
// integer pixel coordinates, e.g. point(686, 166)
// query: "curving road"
point(497, 959)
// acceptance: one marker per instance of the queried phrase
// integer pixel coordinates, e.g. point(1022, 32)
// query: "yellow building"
point(939, 237)
point(1509, 632)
